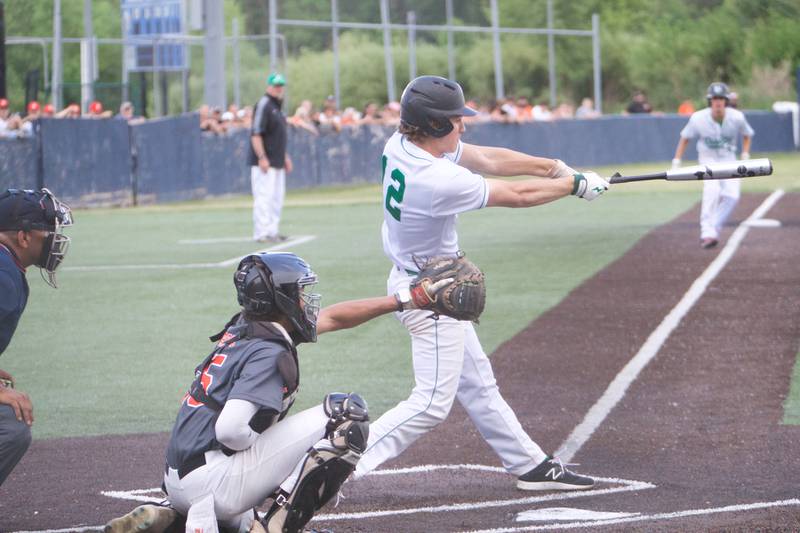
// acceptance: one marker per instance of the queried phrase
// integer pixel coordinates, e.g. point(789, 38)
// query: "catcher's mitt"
point(451, 286)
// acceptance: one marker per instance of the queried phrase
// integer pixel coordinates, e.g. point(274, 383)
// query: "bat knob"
point(616, 175)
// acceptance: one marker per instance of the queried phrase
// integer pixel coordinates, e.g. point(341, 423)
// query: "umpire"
point(31, 224)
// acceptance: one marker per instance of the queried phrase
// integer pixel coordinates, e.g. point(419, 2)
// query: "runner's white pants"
point(449, 363)
point(269, 190)
point(719, 199)
point(242, 481)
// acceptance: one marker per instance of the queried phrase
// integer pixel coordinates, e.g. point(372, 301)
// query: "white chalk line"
point(293, 241)
point(619, 386)
point(649, 517)
point(218, 240)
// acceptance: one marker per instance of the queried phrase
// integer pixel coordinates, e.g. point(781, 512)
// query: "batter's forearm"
point(528, 193)
point(351, 313)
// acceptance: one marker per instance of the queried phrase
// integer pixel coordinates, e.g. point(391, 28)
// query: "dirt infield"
point(696, 443)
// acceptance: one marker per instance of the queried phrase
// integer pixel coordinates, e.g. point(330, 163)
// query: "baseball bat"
point(712, 171)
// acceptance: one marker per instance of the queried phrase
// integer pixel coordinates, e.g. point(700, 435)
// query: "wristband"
point(578, 185)
point(403, 297)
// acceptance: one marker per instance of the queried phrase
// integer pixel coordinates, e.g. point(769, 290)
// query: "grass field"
point(113, 349)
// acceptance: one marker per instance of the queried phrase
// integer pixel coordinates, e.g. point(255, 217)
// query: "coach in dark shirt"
point(269, 162)
point(31, 225)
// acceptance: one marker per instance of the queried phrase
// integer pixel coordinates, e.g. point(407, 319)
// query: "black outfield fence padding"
point(107, 162)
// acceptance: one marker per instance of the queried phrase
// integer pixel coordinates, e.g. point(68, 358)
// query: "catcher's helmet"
point(270, 284)
point(718, 90)
point(428, 102)
point(26, 210)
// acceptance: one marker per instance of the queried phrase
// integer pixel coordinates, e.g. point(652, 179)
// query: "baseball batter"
point(717, 129)
point(429, 177)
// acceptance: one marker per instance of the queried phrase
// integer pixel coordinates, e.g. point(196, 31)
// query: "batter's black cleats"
point(552, 474)
point(148, 518)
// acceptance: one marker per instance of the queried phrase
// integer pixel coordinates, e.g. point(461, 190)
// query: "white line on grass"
point(215, 241)
point(294, 241)
point(650, 517)
point(616, 390)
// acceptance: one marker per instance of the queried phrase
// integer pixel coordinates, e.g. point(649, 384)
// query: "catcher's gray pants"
point(15, 437)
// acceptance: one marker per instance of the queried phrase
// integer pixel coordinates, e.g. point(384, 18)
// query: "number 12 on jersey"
point(394, 191)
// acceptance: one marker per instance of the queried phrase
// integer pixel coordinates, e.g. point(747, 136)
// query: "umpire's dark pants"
point(15, 437)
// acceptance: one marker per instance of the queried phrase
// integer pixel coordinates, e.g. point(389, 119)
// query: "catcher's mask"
point(27, 210)
point(428, 102)
point(273, 284)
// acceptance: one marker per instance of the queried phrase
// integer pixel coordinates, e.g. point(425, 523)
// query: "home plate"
point(763, 223)
point(567, 514)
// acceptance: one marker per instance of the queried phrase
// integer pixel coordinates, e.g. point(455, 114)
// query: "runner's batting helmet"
point(718, 90)
point(273, 285)
point(428, 102)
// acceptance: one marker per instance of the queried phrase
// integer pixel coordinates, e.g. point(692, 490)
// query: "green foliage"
point(672, 49)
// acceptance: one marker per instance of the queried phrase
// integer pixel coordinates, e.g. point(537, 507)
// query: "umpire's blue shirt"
point(13, 295)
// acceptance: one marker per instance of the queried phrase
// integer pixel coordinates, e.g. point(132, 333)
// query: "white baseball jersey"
point(422, 196)
point(715, 141)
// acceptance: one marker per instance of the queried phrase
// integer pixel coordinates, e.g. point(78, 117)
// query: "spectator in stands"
point(524, 110)
point(126, 112)
point(391, 114)
point(73, 110)
point(499, 113)
point(509, 108)
point(96, 110)
point(48, 111)
point(686, 108)
point(564, 110)
point(638, 104)
point(329, 119)
point(208, 122)
point(350, 117)
point(542, 112)
point(34, 112)
point(302, 117)
point(10, 123)
point(269, 161)
point(245, 115)
point(371, 114)
point(733, 100)
point(586, 109)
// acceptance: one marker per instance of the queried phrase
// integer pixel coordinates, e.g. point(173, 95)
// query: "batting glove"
point(588, 185)
point(676, 163)
point(560, 170)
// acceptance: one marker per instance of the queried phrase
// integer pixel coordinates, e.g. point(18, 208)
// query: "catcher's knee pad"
point(347, 428)
point(323, 473)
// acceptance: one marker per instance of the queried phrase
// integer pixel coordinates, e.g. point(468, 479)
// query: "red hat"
point(3, 103)
point(48, 108)
point(96, 107)
point(33, 106)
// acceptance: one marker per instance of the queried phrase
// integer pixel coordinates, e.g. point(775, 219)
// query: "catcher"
point(233, 445)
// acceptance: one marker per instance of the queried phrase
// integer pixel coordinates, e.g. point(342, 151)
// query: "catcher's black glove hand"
point(451, 286)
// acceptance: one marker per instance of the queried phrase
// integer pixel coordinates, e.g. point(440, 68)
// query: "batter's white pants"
point(242, 481)
point(269, 190)
point(719, 199)
point(449, 363)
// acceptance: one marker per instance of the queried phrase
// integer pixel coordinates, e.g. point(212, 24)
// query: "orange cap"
point(3, 103)
point(96, 107)
point(33, 106)
point(48, 108)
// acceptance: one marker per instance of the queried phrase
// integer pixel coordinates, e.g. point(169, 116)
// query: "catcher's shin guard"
point(322, 474)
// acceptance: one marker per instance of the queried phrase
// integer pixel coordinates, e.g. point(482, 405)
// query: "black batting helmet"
point(718, 90)
point(428, 102)
point(272, 285)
